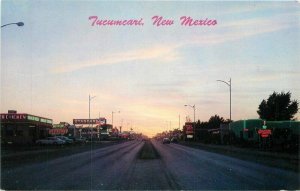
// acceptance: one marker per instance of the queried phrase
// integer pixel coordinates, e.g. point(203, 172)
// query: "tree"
point(215, 121)
point(278, 107)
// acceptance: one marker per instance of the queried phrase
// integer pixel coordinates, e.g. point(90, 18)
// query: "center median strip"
point(148, 151)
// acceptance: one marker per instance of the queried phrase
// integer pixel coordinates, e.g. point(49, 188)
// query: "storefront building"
point(23, 128)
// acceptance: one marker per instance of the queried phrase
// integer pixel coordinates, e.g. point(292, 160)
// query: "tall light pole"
point(18, 24)
point(194, 128)
point(228, 84)
point(170, 130)
point(121, 126)
point(179, 122)
point(112, 117)
point(90, 98)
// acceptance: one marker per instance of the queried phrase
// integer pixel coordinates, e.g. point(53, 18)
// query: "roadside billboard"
point(99, 121)
point(189, 129)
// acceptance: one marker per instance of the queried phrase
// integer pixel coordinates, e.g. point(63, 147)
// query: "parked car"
point(66, 139)
point(50, 141)
point(166, 141)
point(80, 140)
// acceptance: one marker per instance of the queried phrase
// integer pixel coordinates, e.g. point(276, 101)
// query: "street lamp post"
point(18, 24)
point(90, 98)
point(169, 129)
point(194, 128)
point(228, 84)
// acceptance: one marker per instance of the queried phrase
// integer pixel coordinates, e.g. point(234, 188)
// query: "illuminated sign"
point(58, 131)
point(49, 121)
point(100, 121)
point(43, 120)
point(14, 116)
point(40, 119)
point(57, 126)
point(33, 118)
point(264, 133)
point(189, 136)
point(189, 129)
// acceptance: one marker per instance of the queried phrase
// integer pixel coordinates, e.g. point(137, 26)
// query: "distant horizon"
point(147, 59)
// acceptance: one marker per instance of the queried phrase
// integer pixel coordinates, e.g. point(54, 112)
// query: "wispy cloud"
point(254, 6)
point(163, 53)
point(240, 29)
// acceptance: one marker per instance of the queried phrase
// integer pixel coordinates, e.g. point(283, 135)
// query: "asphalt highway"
point(118, 167)
point(195, 169)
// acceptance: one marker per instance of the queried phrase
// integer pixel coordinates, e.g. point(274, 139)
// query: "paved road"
point(118, 167)
point(198, 169)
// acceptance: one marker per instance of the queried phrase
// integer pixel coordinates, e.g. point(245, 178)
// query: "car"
point(80, 140)
point(66, 139)
point(166, 141)
point(50, 141)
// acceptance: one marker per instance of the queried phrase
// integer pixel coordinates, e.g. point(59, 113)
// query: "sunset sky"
point(148, 73)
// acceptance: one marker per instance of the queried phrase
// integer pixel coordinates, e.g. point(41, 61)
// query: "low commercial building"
point(23, 128)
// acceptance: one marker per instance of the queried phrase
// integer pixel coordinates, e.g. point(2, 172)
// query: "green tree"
point(215, 121)
point(278, 106)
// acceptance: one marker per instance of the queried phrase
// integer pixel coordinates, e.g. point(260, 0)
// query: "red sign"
point(189, 129)
point(58, 131)
point(14, 116)
point(264, 133)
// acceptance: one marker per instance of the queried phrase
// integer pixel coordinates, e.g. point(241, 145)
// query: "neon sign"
point(58, 131)
point(100, 121)
point(264, 133)
point(24, 117)
point(189, 129)
point(14, 116)
point(57, 126)
point(33, 118)
point(46, 120)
